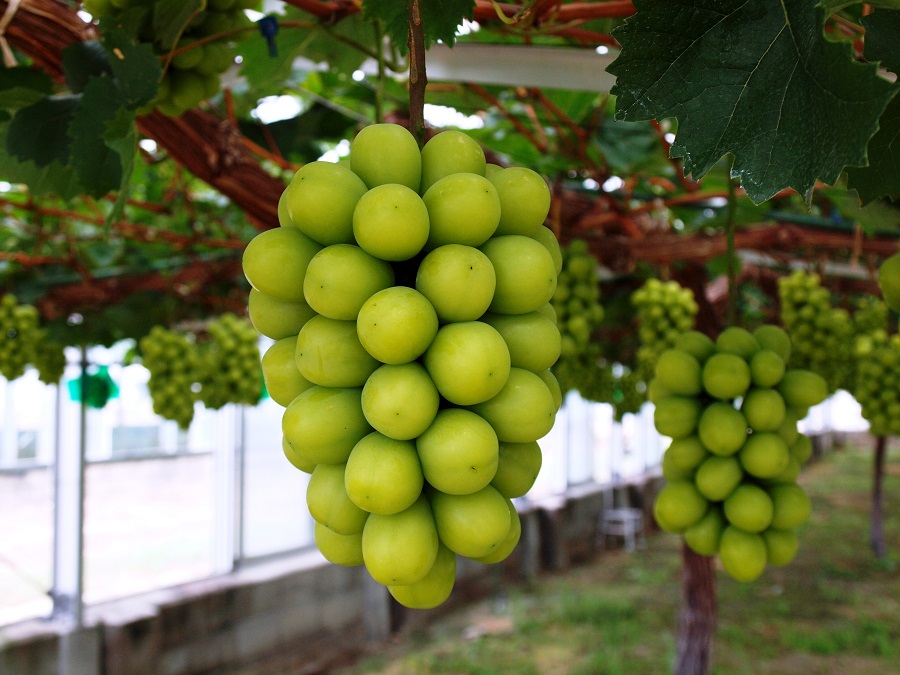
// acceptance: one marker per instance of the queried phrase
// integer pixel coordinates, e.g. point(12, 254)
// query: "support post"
point(879, 545)
point(68, 517)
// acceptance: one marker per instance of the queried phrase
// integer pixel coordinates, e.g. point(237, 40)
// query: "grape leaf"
point(883, 38)
point(98, 165)
point(82, 61)
point(22, 86)
point(170, 17)
point(881, 178)
point(135, 68)
point(39, 131)
point(753, 78)
point(121, 137)
point(440, 19)
point(53, 178)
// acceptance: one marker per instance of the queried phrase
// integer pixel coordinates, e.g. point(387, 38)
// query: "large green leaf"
point(883, 38)
point(39, 132)
point(440, 18)
point(135, 67)
point(83, 61)
point(754, 78)
point(23, 86)
point(99, 166)
point(881, 178)
point(53, 178)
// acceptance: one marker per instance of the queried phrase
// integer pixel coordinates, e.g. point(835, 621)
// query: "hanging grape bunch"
point(49, 358)
point(229, 369)
point(203, 51)
point(877, 387)
point(822, 334)
point(577, 299)
point(664, 311)
point(731, 409)
point(18, 333)
point(408, 296)
point(579, 313)
point(870, 324)
point(173, 362)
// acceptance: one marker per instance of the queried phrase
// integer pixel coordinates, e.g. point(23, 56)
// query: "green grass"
point(835, 609)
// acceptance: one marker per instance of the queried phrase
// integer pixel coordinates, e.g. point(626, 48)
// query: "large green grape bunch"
point(577, 299)
point(49, 358)
point(731, 408)
point(822, 335)
point(229, 369)
point(173, 362)
point(408, 295)
point(202, 53)
point(877, 387)
point(19, 332)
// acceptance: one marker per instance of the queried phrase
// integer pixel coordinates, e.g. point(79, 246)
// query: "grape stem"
point(731, 313)
point(417, 77)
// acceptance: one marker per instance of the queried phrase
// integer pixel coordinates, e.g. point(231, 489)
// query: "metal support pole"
point(240, 464)
point(68, 516)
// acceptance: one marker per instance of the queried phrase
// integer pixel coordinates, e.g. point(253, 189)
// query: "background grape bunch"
point(229, 370)
point(664, 311)
point(202, 53)
point(822, 335)
point(173, 362)
point(877, 386)
point(49, 358)
point(19, 332)
point(731, 408)
point(408, 294)
point(577, 300)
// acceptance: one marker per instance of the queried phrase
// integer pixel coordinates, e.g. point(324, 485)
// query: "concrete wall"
point(299, 610)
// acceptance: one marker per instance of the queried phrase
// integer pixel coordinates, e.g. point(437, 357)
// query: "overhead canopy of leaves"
point(754, 78)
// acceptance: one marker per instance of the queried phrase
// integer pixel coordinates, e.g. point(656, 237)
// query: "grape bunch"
point(731, 408)
point(877, 387)
point(664, 310)
point(229, 370)
point(173, 362)
point(18, 333)
point(577, 299)
point(408, 293)
point(202, 54)
point(49, 358)
point(822, 335)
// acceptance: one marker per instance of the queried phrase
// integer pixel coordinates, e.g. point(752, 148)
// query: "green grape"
point(229, 369)
point(174, 363)
point(731, 466)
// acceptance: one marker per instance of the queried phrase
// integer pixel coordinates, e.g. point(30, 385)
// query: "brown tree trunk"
point(697, 618)
point(879, 546)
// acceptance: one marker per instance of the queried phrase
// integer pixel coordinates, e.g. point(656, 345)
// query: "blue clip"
point(268, 28)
